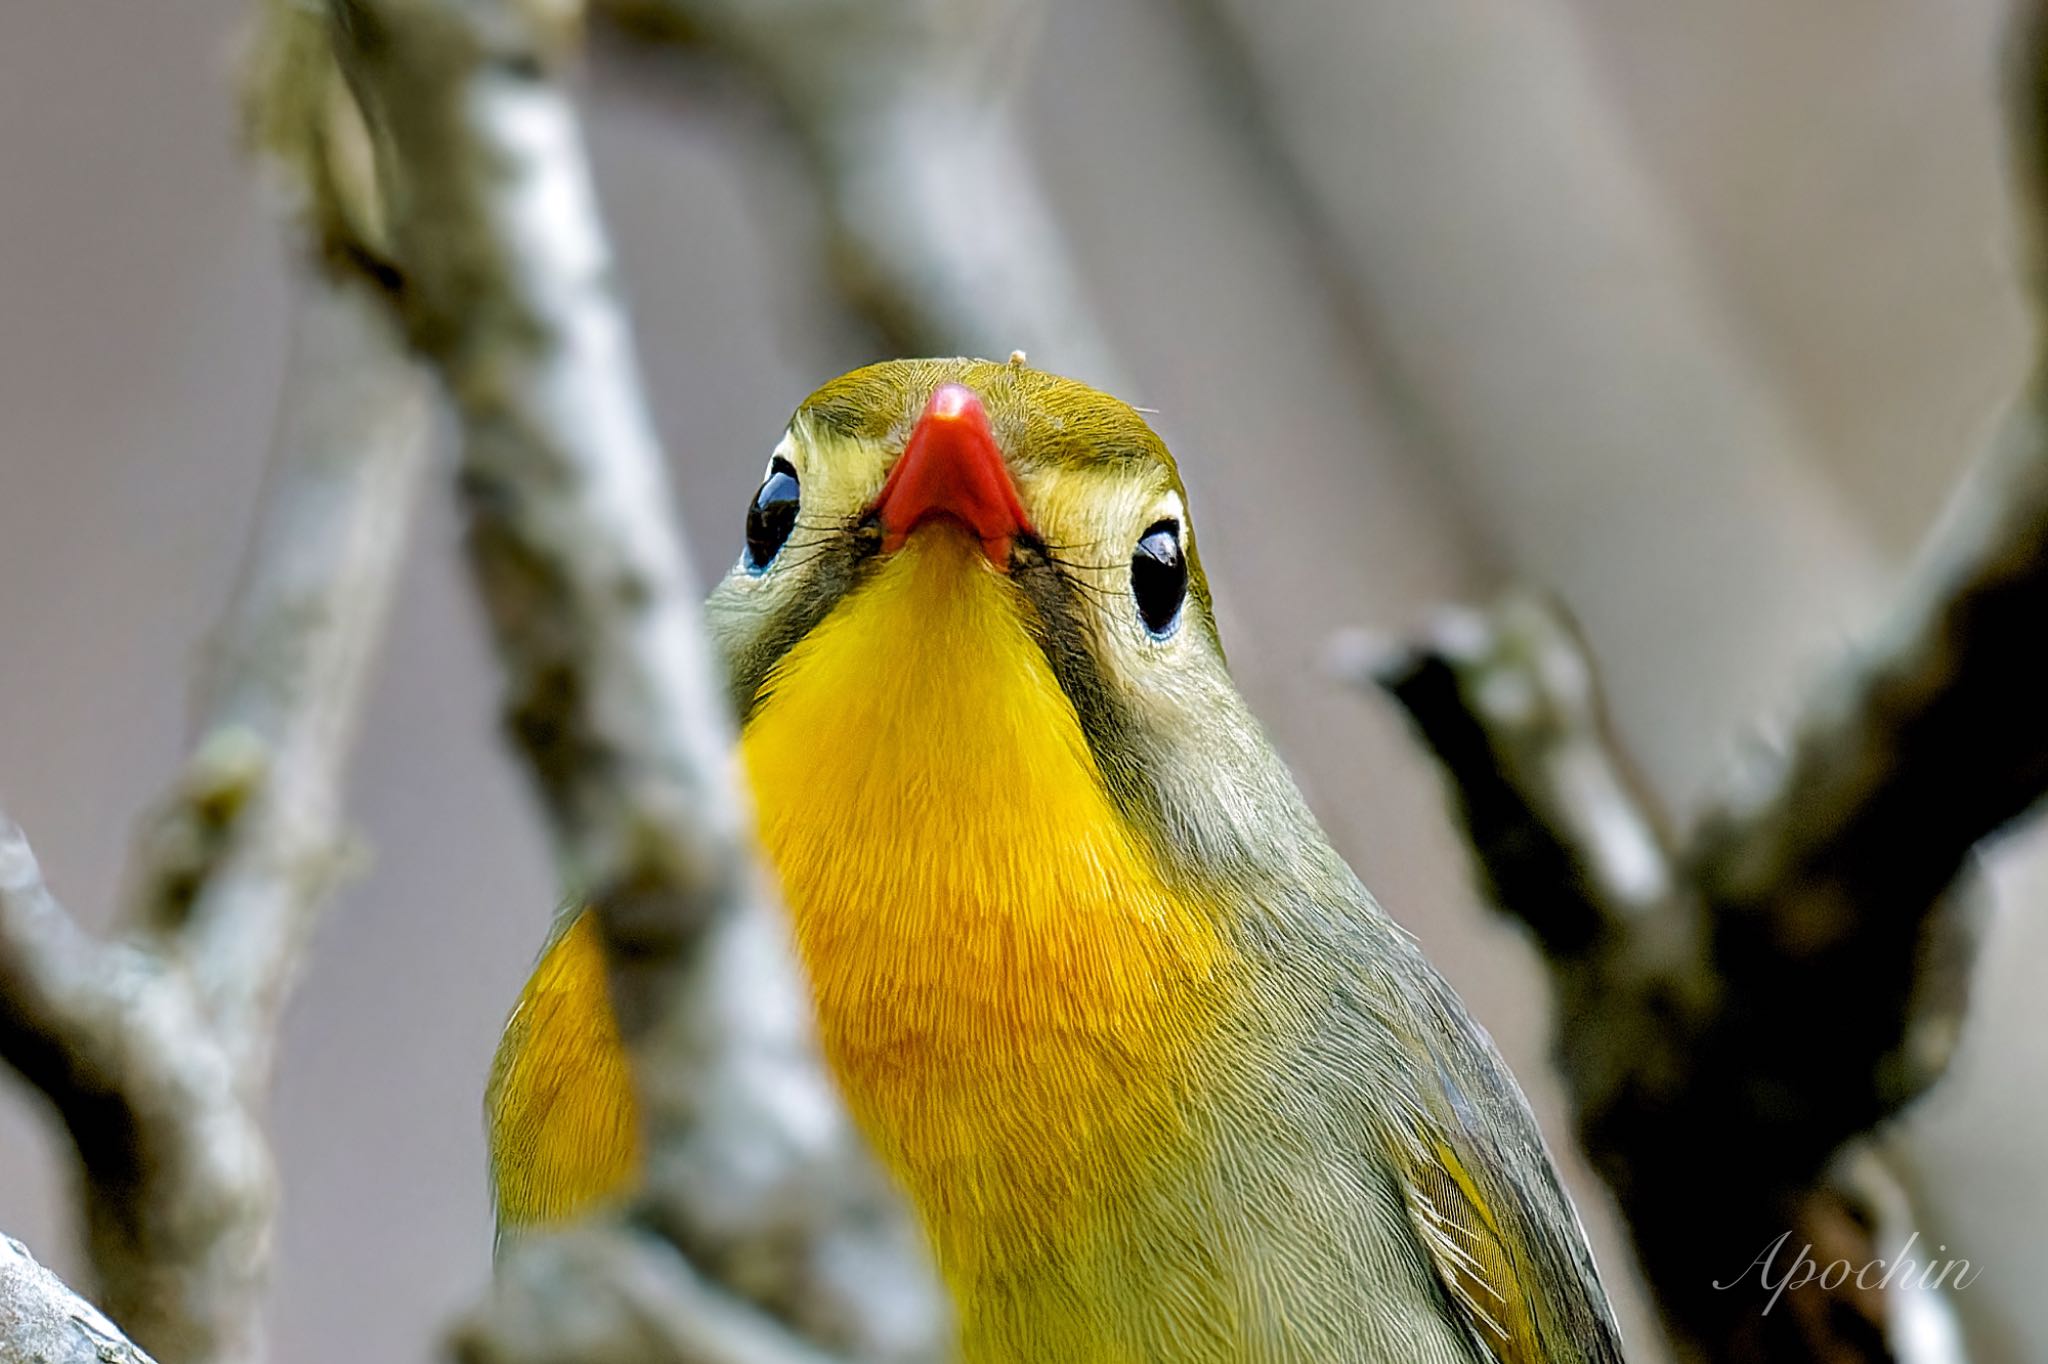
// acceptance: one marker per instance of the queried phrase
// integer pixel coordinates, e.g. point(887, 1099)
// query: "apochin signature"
point(1804, 1270)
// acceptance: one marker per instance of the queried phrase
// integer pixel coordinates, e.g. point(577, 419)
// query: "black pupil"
point(1159, 577)
point(772, 516)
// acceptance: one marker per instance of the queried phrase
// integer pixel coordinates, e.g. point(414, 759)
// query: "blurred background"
point(1694, 313)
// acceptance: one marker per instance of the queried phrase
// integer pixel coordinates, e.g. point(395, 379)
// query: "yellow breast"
point(1013, 1000)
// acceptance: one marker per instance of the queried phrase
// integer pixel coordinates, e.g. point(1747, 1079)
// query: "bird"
point(1160, 1079)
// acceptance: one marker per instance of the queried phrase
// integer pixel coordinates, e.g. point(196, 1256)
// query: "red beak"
point(952, 467)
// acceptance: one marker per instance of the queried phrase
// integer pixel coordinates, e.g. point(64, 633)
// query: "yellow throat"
point(1011, 997)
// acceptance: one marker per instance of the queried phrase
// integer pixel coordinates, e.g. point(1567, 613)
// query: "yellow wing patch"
point(1474, 1257)
point(563, 1133)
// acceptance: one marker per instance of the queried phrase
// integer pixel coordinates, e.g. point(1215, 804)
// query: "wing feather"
point(1484, 1200)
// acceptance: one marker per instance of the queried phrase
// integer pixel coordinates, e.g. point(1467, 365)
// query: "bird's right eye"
point(772, 515)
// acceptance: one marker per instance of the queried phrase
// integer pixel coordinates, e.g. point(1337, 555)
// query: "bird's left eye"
point(1159, 577)
point(772, 515)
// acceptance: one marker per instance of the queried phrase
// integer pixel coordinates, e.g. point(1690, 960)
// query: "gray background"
point(1832, 167)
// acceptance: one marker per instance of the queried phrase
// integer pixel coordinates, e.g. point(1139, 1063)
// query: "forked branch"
point(1697, 974)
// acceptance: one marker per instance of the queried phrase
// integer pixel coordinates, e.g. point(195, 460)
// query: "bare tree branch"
point(612, 1296)
point(937, 230)
point(611, 695)
point(155, 1048)
point(290, 665)
point(43, 1322)
point(177, 1176)
point(1696, 976)
point(53, 992)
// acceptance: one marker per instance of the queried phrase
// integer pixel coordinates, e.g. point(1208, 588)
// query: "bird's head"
point(965, 549)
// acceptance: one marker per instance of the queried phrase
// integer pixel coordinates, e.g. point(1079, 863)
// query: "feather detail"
point(559, 1110)
point(1483, 1199)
